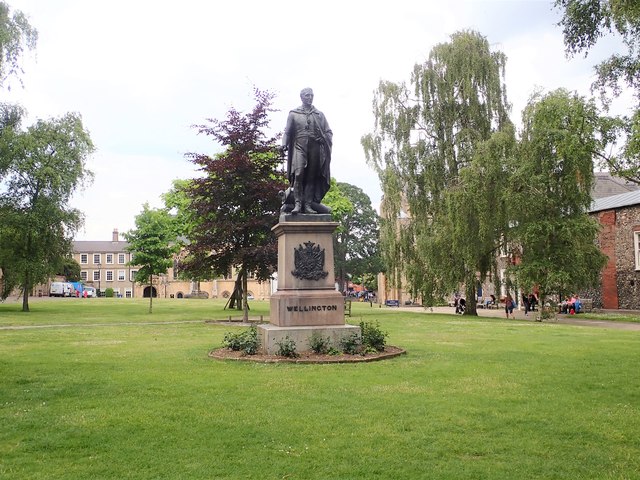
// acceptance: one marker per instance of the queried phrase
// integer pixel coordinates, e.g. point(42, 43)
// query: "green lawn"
point(118, 396)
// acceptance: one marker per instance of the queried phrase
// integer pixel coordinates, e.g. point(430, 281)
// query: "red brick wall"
point(607, 241)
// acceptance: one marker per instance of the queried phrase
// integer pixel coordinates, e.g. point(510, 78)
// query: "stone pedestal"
point(306, 300)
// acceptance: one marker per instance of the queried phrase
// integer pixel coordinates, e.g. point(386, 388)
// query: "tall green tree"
point(16, 35)
point(10, 121)
point(70, 270)
point(356, 241)
point(425, 137)
point(584, 23)
point(153, 243)
point(178, 202)
point(552, 235)
point(47, 165)
point(235, 201)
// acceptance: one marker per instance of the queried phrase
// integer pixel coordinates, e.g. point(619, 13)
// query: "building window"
point(636, 246)
point(96, 275)
point(121, 276)
point(175, 269)
point(109, 275)
point(121, 258)
point(127, 293)
point(84, 258)
point(96, 259)
point(84, 275)
point(132, 275)
point(109, 257)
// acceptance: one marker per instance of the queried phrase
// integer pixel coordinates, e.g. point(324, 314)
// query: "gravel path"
point(519, 315)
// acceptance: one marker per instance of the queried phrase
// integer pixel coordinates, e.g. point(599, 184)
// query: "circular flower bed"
point(306, 357)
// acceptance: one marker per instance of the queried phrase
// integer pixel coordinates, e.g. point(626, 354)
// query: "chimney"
point(115, 234)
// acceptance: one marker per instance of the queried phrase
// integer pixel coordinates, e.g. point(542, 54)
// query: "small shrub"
point(547, 312)
point(373, 338)
point(246, 340)
point(287, 347)
point(108, 292)
point(351, 344)
point(319, 344)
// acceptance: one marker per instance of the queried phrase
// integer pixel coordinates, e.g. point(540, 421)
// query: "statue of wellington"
point(307, 142)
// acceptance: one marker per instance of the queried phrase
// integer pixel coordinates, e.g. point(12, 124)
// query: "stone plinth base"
point(271, 334)
point(307, 308)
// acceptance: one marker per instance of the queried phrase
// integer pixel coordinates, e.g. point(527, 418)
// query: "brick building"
point(619, 239)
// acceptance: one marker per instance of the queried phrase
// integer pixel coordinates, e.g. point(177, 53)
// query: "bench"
point(392, 303)
point(587, 305)
point(488, 306)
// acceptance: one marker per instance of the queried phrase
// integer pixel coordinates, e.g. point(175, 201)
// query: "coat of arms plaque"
point(309, 262)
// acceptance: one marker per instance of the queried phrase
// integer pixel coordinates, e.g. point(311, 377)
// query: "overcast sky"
point(141, 72)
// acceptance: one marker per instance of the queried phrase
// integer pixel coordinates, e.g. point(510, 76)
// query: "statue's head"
point(306, 95)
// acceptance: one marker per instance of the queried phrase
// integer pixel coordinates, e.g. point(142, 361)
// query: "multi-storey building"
point(105, 264)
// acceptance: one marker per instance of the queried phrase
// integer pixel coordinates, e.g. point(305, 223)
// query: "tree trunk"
point(470, 293)
point(25, 299)
point(150, 293)
point(235, 301)
point(245, 311)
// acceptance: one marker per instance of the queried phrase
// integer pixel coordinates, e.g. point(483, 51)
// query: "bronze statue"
point(307, 141)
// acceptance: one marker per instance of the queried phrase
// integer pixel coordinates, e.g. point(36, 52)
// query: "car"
point(250, 297)
point(91, 292)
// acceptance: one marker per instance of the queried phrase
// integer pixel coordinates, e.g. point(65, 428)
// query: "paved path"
point(519, 315)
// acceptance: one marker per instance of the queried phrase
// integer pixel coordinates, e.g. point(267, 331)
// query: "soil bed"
point(306, 357)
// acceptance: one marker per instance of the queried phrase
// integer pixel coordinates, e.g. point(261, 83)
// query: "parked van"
point(61, 289)
point(91, 292)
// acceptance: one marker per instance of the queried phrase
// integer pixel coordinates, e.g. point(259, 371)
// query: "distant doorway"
point(150, 292)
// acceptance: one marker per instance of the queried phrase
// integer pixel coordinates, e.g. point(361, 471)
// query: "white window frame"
point(128, 293)
point(84, 275)
point(122, 276)
point(109, 258)
point(109, 276)
point(99, 257)
point(84, 258)
point(132, 275)
point(122, 258)
point(96, 277)
point(636, 248)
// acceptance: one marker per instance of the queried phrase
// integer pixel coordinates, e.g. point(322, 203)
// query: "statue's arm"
point(288, 132)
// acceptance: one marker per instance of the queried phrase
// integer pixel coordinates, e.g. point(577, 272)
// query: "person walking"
point(508, 306)
point(525, 303)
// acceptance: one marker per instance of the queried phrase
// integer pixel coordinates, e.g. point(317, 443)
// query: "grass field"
point(121, 394)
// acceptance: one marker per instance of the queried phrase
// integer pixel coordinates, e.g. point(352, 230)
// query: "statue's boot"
point(308, 198)
point(297, 198)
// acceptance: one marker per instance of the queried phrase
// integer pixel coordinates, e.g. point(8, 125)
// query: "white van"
point(61, 289)
point(91, 292)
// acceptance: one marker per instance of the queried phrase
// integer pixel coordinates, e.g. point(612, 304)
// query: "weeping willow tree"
point(439, 147)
